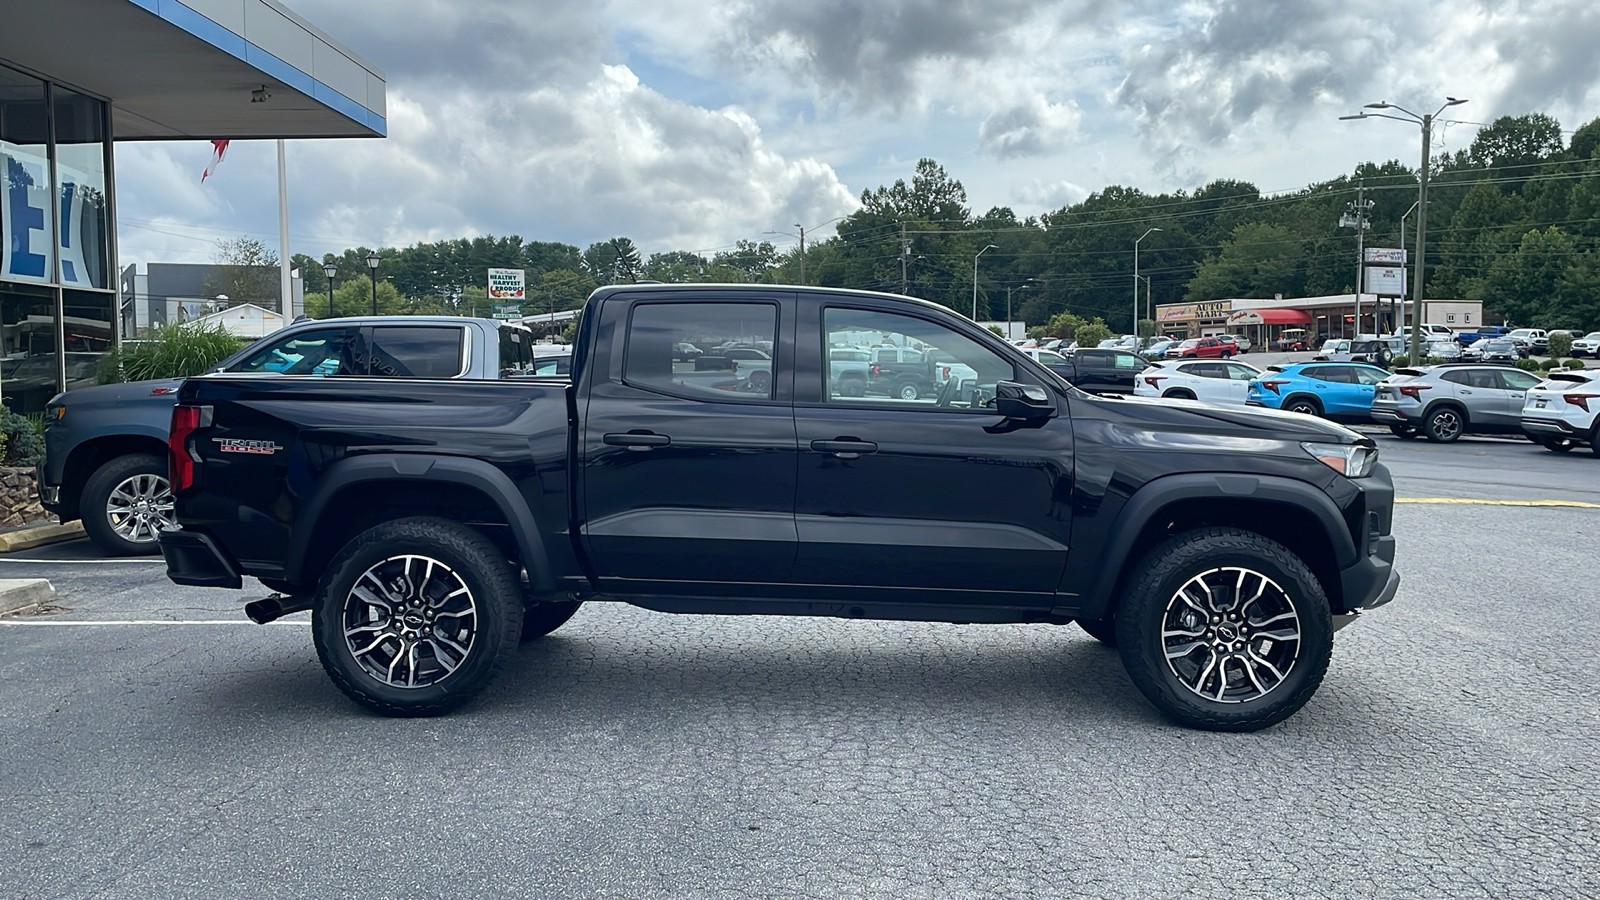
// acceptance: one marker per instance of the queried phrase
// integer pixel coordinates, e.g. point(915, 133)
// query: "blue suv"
point(1342, 392)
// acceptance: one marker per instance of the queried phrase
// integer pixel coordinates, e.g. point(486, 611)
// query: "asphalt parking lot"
point(156, 744)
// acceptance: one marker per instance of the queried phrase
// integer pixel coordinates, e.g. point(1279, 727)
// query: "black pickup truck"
point(429, 524)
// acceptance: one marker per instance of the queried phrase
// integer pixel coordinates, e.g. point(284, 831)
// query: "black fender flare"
point(1293, 395)
point(1149, 500)
point(437, 469)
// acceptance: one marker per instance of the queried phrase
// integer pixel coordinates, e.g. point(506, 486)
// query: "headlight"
point(1349, 460)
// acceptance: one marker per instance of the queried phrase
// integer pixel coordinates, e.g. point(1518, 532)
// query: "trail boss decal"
point(235, 445)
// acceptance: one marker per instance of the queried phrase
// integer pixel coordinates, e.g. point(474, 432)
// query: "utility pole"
point(1357, 218)
point(1135, 330)
point(802, 252)
point(1417, 296)
point(905, 257)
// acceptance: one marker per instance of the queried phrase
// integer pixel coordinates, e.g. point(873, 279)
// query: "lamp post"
point(1136, 279)
point(1022, 287)
point(1425, 122)
point(975, 279)
point(330, 270)
point(372, 267)
point(1403, 218)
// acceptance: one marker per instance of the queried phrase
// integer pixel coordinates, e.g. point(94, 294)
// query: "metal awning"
point(1269, 317)
point(186, 70)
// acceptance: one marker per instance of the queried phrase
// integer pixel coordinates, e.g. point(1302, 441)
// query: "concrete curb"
point(39, 535)
point(20, 594)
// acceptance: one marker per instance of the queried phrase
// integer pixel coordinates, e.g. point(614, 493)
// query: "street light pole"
point(1426, 123)
point(330, 270)
point(1403, 218)
point(1136, 279)
point(372, 267)
point(975, 279)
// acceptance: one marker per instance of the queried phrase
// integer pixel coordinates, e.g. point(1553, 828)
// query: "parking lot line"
point(1469, 501)
point(60, 622)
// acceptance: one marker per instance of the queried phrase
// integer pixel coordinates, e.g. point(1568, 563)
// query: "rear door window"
point(317, 351)
point(416, 351)
point(729, 373)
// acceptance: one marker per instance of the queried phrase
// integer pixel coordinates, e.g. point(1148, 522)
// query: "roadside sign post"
point(507, 290)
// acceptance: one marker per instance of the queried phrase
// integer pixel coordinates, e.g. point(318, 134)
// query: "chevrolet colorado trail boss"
point(429, 524)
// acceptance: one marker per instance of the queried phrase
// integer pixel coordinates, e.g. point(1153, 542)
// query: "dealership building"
point(1332, 316)
point(77, 76)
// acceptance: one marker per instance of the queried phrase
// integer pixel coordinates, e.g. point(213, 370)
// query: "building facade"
point(1320, 318)
point(78, 75)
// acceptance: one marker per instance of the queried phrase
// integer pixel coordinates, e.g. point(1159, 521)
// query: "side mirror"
point(1022, 401)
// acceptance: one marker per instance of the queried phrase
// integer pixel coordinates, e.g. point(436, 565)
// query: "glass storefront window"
point(27, 217)
point(81, 173)
point(88, 331)
point(28, 339)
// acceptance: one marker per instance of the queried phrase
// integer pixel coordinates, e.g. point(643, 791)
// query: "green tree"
point(1258, 261)
point(1524, 287)
point(615, 261)
point(1092, 333)
point(246, 272)
point(1516, 141)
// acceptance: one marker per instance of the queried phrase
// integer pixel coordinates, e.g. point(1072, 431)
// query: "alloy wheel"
point(1446, 425)
point(1230, 635)
point(139, 507)
point(410, 621)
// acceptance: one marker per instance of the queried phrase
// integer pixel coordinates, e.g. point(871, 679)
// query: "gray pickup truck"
point(106, 447)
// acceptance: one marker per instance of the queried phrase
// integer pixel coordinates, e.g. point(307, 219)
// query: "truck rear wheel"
point(126, 503)
point(1225, 630)
point(414, 617)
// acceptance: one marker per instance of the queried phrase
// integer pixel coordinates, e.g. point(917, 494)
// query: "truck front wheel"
point(414, 617)
point(1225, 630)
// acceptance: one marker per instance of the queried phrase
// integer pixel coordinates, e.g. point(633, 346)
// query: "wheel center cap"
point(413, 620)
point(1228, 632)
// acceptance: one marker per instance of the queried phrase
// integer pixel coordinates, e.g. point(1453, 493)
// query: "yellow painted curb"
point(39, 535)
point(1468, 501)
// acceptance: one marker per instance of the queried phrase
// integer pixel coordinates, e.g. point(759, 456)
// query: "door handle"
point(845, 448)
point(637, 442)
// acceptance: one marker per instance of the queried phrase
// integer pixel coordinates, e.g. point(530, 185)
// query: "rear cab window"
point(417, 351)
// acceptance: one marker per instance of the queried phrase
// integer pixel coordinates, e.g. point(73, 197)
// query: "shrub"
point(1573, 363)
point(1400, 362)
point(1091, 334)
point(178, 351)
point(24, 442)
point(1560, 345)
point(1528, 365)
point(1549, 364)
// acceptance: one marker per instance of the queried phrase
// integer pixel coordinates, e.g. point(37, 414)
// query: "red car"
point(1201, 348)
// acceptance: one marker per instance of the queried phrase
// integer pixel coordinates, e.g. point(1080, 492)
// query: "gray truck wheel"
point(540, 620)
point(126, 503)
point(414, 617)
point(853, 387)
point(907, 390)
point(1225, 630)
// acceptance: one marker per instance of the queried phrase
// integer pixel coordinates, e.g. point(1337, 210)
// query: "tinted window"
point(416, 351)
point(1206, 370)
point(1332, 374)
point(963, 376)
point(1093, 358)
point(1051, 359)
point(514, 351)
point(656, 327)
point(321, 351)
point(1457, 376)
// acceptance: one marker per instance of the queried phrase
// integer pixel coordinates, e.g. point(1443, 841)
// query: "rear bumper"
point(195, 559)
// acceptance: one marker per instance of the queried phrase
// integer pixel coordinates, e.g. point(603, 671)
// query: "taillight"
point(180, 463)
point(1581, 401)
point(945, 373)
point(1414, 391)
point(1273, 385)
point(1154, 380)
point(875, 370)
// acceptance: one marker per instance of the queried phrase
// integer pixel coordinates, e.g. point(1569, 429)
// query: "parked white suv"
point(1564, 412)
point(1588, 345)
point(1218, 381)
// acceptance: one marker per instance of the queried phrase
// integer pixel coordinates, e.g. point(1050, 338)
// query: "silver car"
point(1441, 403)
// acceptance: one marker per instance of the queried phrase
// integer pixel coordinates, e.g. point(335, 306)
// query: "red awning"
point(1270, 317)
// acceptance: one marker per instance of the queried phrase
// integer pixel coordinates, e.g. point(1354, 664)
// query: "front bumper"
point(1372, 581)
point(195, 559)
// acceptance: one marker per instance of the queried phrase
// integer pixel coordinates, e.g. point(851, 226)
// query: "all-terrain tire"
point(461, 559)
point(1102, 630)
point(137, 474)
point(541, 619)
point(1153, 605)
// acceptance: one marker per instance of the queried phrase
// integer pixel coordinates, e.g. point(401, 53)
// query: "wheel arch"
point(88, 456)
point(1306, 521)
point(1302, 395)
point(331, 515)
point(1447, 402)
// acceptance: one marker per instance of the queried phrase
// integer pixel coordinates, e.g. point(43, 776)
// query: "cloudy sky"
point(690, 124)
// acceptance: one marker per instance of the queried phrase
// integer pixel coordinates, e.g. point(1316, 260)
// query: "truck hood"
point(160, 390)
point(1205, 418)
